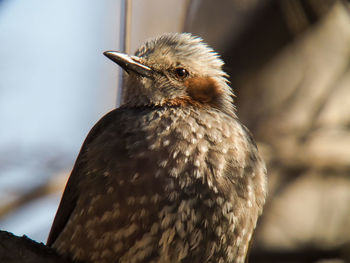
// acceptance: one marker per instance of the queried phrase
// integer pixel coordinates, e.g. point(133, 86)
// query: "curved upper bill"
point(128, 63)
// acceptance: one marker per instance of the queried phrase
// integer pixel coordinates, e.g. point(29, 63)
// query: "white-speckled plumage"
point(165, 178)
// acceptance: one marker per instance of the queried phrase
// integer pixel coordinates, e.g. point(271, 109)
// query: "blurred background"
point(289, 62)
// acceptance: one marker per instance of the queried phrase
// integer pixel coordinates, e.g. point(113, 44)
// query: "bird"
point(171, 175)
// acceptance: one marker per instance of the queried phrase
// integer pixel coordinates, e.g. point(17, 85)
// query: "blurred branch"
point(16, 249)
point(54, 185)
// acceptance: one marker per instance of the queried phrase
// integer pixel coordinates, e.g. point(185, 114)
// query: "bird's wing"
point(70, 195)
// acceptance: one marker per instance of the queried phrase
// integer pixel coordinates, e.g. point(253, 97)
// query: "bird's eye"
point(181, 73)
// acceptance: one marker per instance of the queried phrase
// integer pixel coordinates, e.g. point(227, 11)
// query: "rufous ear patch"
point(203, 89)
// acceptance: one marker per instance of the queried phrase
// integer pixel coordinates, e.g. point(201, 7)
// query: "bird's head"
point(175, 69)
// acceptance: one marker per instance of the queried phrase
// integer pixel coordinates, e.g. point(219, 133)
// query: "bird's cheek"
point(205, 90)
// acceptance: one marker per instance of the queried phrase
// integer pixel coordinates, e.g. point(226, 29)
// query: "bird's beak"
point(129, 63)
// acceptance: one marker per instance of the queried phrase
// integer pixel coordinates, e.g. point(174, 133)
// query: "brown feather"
point(203, 89)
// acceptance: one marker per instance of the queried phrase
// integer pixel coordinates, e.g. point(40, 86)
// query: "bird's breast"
point(157, 186)
point(185, 144)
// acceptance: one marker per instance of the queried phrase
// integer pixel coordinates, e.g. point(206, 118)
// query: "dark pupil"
point(181, 72)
